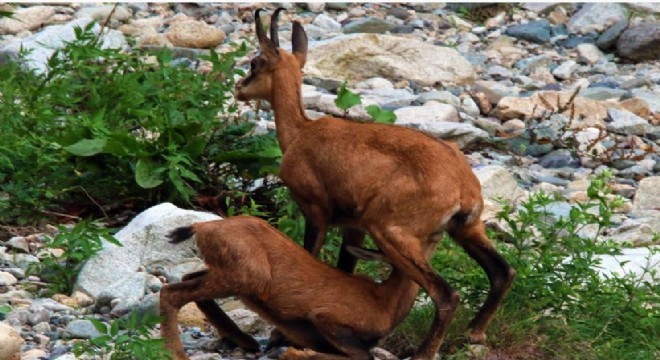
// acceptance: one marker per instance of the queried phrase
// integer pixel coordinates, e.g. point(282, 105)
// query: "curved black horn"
point(259, 26)
point(273, 27)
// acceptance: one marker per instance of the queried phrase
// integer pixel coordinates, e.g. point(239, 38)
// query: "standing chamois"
point(314, 305)
point(401, 186)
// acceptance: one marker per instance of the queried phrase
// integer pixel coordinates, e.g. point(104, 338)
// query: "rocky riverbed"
point(541, 96)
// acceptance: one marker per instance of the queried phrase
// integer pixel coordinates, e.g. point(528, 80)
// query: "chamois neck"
point(286, 101)
point(400, 292)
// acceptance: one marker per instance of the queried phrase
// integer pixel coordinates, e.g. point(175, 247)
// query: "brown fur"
point(313, 304)
point(401, 186)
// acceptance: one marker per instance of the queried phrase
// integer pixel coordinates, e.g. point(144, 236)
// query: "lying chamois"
point(402, 186)
point(313, 304)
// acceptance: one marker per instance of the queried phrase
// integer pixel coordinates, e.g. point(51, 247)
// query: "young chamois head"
point(272, 61)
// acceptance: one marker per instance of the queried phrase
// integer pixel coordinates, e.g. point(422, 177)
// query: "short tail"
point(180, 234)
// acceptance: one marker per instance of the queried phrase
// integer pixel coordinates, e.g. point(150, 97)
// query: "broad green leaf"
point(346, 98)
point(98, 325)
point(147, 173)
point(86, 147)
point(381, 115)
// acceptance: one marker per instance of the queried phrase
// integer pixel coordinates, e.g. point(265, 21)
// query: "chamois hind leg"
point(350, 237)
point(316, 227)
point(500, 274)
point(198, 287)
point(225, 326)
point(405, 252)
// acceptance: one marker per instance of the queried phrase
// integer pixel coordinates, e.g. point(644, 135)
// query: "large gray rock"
point(362, 56)
point(42, 46)
point(640, 42)
point(388, 97)
point(596, 17)
point(647, 196)
point(651, 98)
point(496, 181)
point(627, 123)
point(368, 25)
point(534, 31)
point(462, 134)
point(81, 329)
point(144, 245)
point(426, 114)
point(609, 37)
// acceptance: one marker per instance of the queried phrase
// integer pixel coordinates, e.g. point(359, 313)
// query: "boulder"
point(368, 25)
point(627, 123)
point(426, 114)
point(462, 134)
point(29, 18)
point(535, 31)
point(640, 42)
point(194, 34)
point(144, 244)
point(42, 45)
point(591, 112)
point(630, 262)
point(647, 196)
point(596, 17)
point(362, 56)
point(496, 181)
point(101, 13)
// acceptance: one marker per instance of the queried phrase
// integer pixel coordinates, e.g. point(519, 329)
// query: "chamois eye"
point(253, 65)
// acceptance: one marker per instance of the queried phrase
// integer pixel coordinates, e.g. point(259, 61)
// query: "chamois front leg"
point(350, 237)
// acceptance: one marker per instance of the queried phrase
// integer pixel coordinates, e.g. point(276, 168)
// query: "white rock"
point(43, 44)
point(375, 83)
point(388, 97)
point(637, 259)
point(7, 279)
point(316, 7)
point(565, 70)
point(497, 181)
point(460, 133)
point(589, 53)
point(101, 13)
point(144, 244)
point(647, 196)
point(358, 57)
point(426, 114)
point(327, 23)
point(596, 17)
point(249, 322)
point(625, 122)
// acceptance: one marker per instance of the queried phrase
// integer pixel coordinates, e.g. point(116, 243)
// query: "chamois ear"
point(273, 27)
point(267, 47)
point(364, 254)
point(299, 43)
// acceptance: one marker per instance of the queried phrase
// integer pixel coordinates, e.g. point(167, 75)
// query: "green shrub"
point(103, 125)
point(66, 253)
point(126, 339)
point(559, 306)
